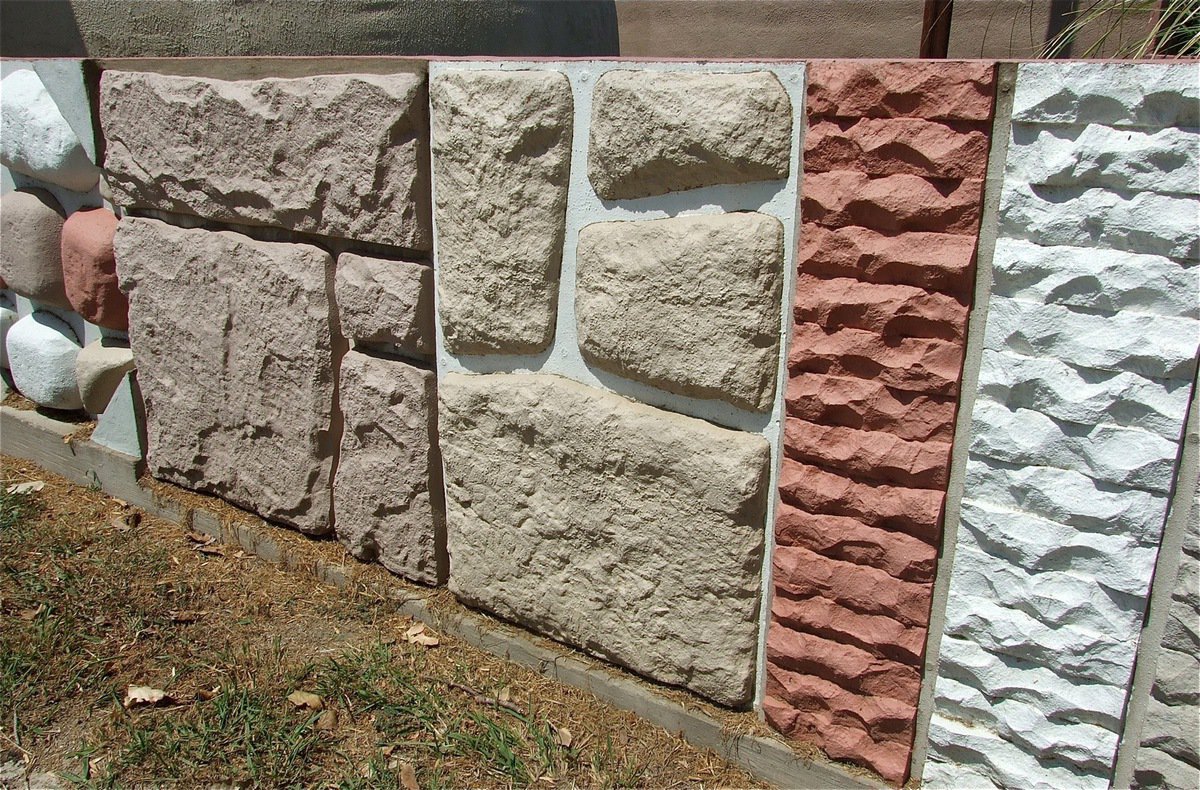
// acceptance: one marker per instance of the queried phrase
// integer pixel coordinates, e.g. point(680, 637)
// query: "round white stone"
point(8, 317)
point(37, 139)
point(41, 354)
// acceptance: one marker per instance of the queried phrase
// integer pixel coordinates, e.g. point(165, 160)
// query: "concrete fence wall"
point(851, 391)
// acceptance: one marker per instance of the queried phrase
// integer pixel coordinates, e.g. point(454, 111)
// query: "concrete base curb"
point(41, 439)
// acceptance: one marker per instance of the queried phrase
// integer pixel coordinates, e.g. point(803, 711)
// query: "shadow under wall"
point(178, 28)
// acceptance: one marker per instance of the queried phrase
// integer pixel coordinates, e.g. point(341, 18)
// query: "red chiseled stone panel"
point(894, 160)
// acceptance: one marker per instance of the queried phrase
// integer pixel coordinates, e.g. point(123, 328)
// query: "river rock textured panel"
point(31, 223)
point(689, 304)
point(238, 380)
point(339, 155)
point(895, 158)
point(655, 132)
point(502, 156)
point(1089, 355)
point(633, 532)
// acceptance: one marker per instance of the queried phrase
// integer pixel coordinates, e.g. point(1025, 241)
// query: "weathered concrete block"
point(118, 427)
point(689, 304)
point(885, 636)
point(1095, 279)
point(631, 532)
point(41, 350)
point(1176, 676)
point(501, 159)
point(90, 269)
point(1162, 160)
point(1150, 95)
point(1121, 456)
point(850, 667)
point(1154, 346)
point(233, 346)
point(802, 573)
point(31, 223)
point(386, 302)
point(655, 132)
point(1157, 769)
point(895, 310)
point(340, 154)
point(945, 90)
point(1085, 396)
point(1175, 729)
point(38, 141)
point(99, 369)
point(1082, 216)
point(895, 204)
point(1068, 497)
point(385, 505)
point(885, 147)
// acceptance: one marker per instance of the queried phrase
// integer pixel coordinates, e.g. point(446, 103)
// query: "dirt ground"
point(132, 651)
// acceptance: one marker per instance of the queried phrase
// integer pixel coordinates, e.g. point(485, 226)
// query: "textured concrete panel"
point(501, 157)
point(386, 302)
point(885, 147)
point(655, 132)
point(31, 224)
point(41, 350)
point(340, 155)
point(689, 304)
point(386, 507)
point(232, 340)
point(633, 533)
point(1120, 95)
point(90, 269)
point(878, 89)
point(38, 141)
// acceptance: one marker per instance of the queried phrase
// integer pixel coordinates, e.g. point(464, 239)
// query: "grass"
point(1174, 29)
point(94, 600)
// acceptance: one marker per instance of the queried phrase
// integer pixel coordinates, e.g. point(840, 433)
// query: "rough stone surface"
point(31, 224)
point(232, 339)
point(1160, 770)
point(885, 147)
point(633, 533)
point(655, 132)
point(893, 204)
point(90, 269)
point(933, 261)
point(946, 90)
point(689, 304)
point(910, 364)
point(869, 455)
point(802, 573)
point(339, 155)
point(1175, 682)
point(893, 310)
point(1110, 94)
point(99, 369)
point(501, 160)
point(8, 317)
point(386, 302)
point(41, 350)
point(38, 141)
point(870, 406)
point(1173, 729)
point(848, 539)
point(1096, 280)
point(386, 501)
point(878, 634)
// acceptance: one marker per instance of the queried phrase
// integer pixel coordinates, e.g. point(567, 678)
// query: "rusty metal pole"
point(935, 28)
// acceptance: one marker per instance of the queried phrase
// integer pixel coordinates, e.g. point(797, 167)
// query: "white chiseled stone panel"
point(1114, 94)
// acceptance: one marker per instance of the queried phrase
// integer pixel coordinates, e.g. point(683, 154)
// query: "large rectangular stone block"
point(655, 132)
point(233, 346)
point(630, 532)
point(387, 496)
point(340, 154)
point(688, 304)
point(501, 160)
point(387, 304)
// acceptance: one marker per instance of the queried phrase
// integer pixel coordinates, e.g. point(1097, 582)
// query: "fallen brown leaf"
point(562, 736)
point(26, 488)
point(408, 777)
point(204, 695)
point(199, 537)
point(306, 699)
point(327, 720)
point(144, 695)
point(212, 551)
point(416, 635)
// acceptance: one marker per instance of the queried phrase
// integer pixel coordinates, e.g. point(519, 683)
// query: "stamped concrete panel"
point(689, 304)
point(656, 132)
point(608, 524)
point(232, 339)
point(387, 303)
point(384, 498)
point(501, 158)
point(339, 155)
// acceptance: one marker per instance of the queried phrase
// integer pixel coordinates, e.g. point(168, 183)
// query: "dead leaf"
point(204, 695)
point(30, 614)
point(200, 537)
point(416, 636)
point(127, 522)
point(327, 720)
point(562, 736)
point(212, 551)
point(186, 616)
point(26, 488)
point(505, 695)
point(67, 439)
point(306, 699)
point(408, 777)
point(144, 695)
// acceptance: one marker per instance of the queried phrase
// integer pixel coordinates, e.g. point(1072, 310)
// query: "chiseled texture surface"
point(384, 505)
point(501, 159)
point(688, 304)
point(41, 350)
point(340, 155)
point(630, 532)
point(895, 157)
point(1169, 756)
point(232, 340)
point(1089, 357)
point(388, 303)
point(90, 268)
point(38, 141)
point(31, 224)
point(655, 132)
